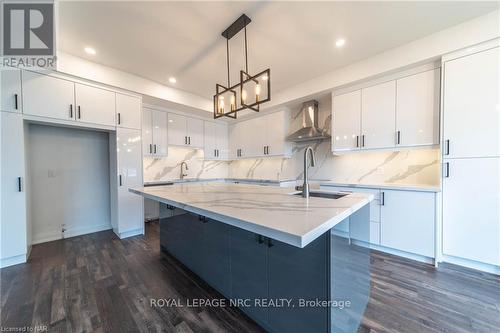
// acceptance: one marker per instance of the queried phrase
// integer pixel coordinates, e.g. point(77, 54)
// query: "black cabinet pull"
point(79, 113)
point(382, 201)
point(189, 140)
point(267, 150)
point(217, 152)
point(19, 184)
point(150, 148)
point(398, 137)
point(154, 148)
point(16, 106)
point(71, 110)
point(447, 170)
point(270, 242)
point(202, 218)
point(357, 141)
point(120, 179)
point(119, 119)
point(447, 144)
point(260, 239)
point(362, 140)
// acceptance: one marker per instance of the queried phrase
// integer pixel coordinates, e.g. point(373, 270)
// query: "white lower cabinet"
point(130, 216)
point(408, 221)
point(471, 213)
point(10, 89)
point(13, 195)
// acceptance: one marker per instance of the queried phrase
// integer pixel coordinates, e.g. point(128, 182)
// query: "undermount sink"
point(328, 195)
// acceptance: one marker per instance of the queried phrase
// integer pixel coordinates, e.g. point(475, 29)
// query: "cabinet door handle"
point(119, 119)
point(19, 184)
point(362, 140)
point(447, 170)
point(398, 137)
point(154, 148)
point(357, 141)
point(382, 199)
point(71, 110)
point(189, 140)
point(16, 106)
point(447, 146)
point(150, 148)
point(120, 179)
point(260, 239)
point(264, 150)
point(185, 140)
point(79, 112)
point(270, 242)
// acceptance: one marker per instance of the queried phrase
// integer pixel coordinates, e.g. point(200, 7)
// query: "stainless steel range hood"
point(310, 129)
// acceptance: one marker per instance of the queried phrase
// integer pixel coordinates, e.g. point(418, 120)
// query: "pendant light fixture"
point(250, 91)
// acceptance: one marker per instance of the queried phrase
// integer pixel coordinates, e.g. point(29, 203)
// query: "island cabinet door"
point(249, 272)
point(216, 268)
point(189, 230)
point(298, 274)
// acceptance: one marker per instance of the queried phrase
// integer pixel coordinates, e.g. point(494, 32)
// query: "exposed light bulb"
point(257, 92)
point(172, 79)
point(221, 104)
point(233, 103)
point(244, 95)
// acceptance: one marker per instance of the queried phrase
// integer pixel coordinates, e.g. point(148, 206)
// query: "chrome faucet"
point(183, 173)
point(307, 163)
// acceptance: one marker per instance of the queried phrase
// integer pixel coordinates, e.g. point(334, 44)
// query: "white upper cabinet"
point(346, 121)
point(128, 111)
point(185, 131)
point(378, 107)
point(472, 105)
point(397, 113)
point(147, 131)
point(160, 133)
point(471, 215)
point(222, 137)
point(408, 221)
point(216, 141)
point(210, 140)
point(10, 90)
point(48, 96)
point(94, 105)
point(276, 130)
point(195, 132)
point(177, 130)
point(261, 136)
point(154, 133)
point(417, 109)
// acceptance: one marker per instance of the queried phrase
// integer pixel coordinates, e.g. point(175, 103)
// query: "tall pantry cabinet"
point(471, 155)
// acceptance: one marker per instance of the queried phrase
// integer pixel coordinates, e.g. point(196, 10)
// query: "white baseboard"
point(72, 232)
point(471, 264)
point(129, 233)
point(15, 260)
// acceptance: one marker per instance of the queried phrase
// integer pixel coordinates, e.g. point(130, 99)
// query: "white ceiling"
point(156, 40)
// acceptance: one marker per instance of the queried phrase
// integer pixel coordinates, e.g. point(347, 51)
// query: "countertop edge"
point(283, 236)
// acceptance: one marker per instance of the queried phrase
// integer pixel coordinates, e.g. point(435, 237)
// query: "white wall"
point(69, 181)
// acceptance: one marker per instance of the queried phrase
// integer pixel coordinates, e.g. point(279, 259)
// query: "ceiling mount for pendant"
point(251, 91)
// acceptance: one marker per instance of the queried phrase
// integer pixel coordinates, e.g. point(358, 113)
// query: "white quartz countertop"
point(269, 211)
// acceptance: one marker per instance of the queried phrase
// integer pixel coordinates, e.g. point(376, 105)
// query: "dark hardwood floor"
point(98, 283)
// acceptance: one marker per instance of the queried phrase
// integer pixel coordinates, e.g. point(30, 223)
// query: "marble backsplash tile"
point(168, 168)
point(419, 166)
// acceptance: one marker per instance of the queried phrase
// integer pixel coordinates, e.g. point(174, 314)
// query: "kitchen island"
point(271, 252)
